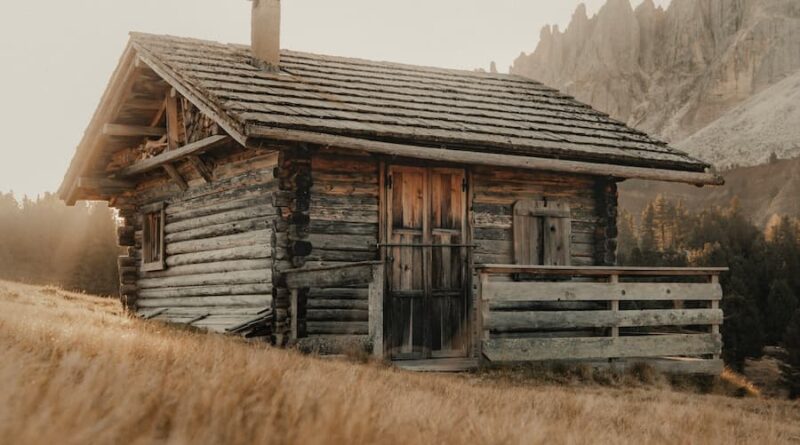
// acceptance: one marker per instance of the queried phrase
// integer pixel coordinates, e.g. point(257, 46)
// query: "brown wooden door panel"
point(426, 209)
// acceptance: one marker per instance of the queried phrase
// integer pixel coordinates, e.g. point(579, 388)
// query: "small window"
point(153, 238)
point(542, 233)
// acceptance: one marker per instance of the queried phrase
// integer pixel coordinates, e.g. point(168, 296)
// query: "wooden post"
point(484, 311)
point(715, 305)
point(614, 307)
point(294, 319)
point(376, 295)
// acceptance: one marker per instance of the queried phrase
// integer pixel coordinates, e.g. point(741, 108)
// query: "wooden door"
point(426, 262)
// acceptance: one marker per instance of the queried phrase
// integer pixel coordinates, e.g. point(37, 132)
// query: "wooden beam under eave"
point(201, 168)
point(104, 184)
point(176, 176)
point(258, 133)
point(132, 131)
point(168, 157)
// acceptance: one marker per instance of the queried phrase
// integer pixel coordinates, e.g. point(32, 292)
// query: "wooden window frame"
point(549, 217)
point(149, 264)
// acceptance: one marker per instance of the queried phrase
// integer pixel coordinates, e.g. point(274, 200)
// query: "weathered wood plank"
point(249, 239)
point(337, 328)
point(211, 256)
point(356, 273)
point(205, 268)
point(207, 291)
point(217, 230)
point(582, 348)
point(119, 130)
point(602, 271)
point(577, 291)
point(529, 321)
point(256, 211)
point(249, 276)
point(212, 302)
point(173, 155)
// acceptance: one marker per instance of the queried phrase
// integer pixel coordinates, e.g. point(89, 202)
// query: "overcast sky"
point(57, 55)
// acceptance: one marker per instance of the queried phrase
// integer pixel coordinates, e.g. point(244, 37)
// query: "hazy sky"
point(57, 55)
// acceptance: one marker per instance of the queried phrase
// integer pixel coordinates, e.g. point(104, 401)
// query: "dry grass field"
point(74, 370)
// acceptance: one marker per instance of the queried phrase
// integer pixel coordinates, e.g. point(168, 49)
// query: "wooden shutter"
point(153, 237)
point(542, 233)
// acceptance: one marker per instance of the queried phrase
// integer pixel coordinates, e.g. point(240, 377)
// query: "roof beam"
point(176, 176)
point(472, 157)
point(103, 184)
point(132, 131)
point(171, 156)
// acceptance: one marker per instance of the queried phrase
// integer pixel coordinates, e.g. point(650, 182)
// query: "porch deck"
point(602, 316)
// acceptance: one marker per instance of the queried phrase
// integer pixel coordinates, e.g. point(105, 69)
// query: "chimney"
point(266, 33)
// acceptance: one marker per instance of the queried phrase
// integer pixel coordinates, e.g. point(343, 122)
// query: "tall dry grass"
point(74, 370)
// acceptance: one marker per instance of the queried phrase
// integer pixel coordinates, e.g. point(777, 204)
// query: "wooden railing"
point(669, 317)
point(370, 272)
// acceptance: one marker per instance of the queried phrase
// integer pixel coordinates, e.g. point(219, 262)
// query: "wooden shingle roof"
point(389, 102)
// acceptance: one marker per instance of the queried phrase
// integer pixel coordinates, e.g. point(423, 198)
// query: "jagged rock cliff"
point(669, 72)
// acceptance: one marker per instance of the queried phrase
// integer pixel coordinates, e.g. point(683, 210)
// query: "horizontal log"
point(338, 294)
point(336, 328)
point(323, 255)
point(362, 243)
point(336, 315)
point(482, 158)
point(602, 271)
point(261, 237)
point(211, 256)
point(339, 228)
point(220, 218)
point(250, 276)
point(314, 303)
point(530, 321)
point(207, 291)
point(231, 228)
point(228, 301)
point(577, 291)
point(167, 157)
point(583, 348)
point(219, 203)
point(340, 275)
point(119, 130)
point(205, 268)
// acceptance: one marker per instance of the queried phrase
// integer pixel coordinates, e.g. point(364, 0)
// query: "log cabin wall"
point(343, 228)
point(218, 242)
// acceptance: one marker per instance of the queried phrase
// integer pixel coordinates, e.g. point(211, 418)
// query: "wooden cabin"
point(434, 217)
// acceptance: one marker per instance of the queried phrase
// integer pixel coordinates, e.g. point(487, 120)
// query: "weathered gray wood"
point(580, 348)
point(249, 276)
point(602, 271)
point(337, 304)
point(206, 268)
point(203, 170)
point(337, 315)
point(210, 256)
point(337, 328)
point(220, 218)
point(216, 230)
point(576, 291)
point(376, 300)
point(340, 275)
point(258, 301)
point(119, 130)
point(530, 321)
point(211, 291)
point(502, 160)
point(173, 155)
point(339, 293)
point(261, 237)
point(176, 177)
point(344, 242)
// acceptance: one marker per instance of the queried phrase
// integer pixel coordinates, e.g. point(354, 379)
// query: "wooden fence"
point(668, 317)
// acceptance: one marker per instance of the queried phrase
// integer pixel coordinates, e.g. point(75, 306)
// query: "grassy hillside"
point(74, 370)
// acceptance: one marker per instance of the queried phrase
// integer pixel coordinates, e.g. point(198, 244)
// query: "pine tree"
point(781, 305)
point(791, 361)
point(742, 332)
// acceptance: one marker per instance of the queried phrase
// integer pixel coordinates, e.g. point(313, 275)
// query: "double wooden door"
point(426, 260)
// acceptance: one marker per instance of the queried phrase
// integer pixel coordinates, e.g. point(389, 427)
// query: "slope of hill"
point(75, 370)
point(749, 134)
point(762, 191)
point(669, 72)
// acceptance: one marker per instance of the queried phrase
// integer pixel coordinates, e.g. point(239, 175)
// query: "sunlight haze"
point(59, 55)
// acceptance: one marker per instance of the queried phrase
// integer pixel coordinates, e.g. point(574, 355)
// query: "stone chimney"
point(266, 33)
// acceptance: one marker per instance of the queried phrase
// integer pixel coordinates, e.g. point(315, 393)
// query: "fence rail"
point(669, 317)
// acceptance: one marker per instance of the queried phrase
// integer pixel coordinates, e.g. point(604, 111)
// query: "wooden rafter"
point(103, 184)
point(132, 131)
point(176, 176)
point(201, 168)
point(171, 156)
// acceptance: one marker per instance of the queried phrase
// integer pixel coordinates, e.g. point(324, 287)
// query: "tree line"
point(42, 241)
point(761, 289)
